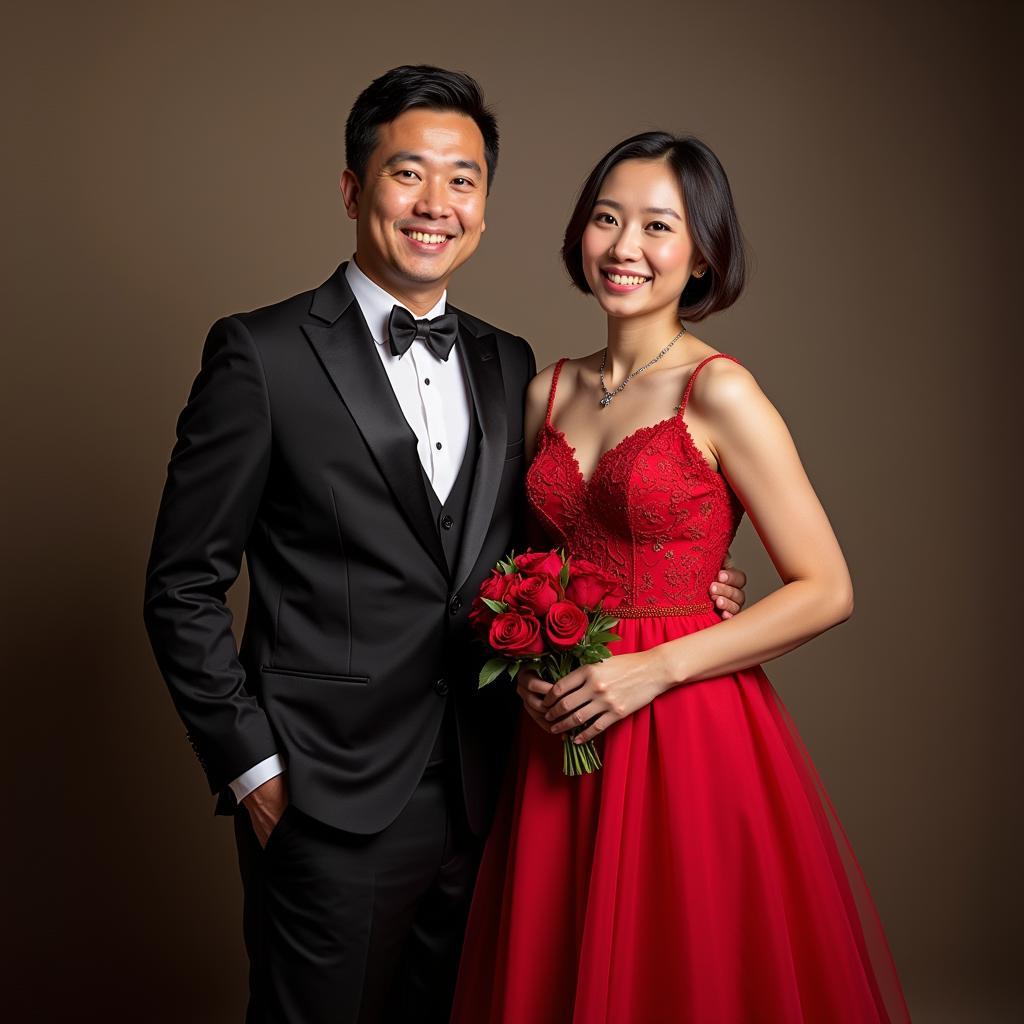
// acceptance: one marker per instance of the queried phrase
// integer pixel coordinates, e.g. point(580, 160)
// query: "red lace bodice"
point(654, 513)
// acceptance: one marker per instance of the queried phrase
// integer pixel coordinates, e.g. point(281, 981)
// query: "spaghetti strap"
point(554, 384)
point(693, 376)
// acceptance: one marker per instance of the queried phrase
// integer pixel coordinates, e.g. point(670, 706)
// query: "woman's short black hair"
point(408, 87)
point(710, 217)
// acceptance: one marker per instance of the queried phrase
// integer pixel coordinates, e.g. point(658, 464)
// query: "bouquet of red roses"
point(546, 612)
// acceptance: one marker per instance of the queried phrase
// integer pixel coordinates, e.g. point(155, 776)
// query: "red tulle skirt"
point(701, 876)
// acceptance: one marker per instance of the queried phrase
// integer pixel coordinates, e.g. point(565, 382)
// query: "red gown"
point(701, 876)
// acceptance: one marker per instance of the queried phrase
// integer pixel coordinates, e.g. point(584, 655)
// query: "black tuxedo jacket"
point(293, 449)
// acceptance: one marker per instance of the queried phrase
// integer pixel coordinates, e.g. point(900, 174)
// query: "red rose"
point(534, 594)
point(496, 587)
point(540, 563)
point(512, 633)
point(585, 565)
point(589, 585)
point(565, 624)
point(480, 617)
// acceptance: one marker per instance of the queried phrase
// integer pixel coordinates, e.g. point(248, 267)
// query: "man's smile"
point(427, 241)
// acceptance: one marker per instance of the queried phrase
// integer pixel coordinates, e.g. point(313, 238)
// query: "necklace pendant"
point(606, 400)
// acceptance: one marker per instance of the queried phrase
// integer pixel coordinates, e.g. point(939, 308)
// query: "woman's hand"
point(605, 693)
point(532, 690)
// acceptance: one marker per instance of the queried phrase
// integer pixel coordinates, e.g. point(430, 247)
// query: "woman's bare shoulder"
point(725, 390)
point(540, 387)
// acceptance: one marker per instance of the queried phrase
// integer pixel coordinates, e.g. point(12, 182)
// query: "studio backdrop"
point(166, 164)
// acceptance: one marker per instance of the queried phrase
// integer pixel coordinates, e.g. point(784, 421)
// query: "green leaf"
point(563, 576)
point(514, 669)
point(603, 637)
point(491, 670)
point(495, 606)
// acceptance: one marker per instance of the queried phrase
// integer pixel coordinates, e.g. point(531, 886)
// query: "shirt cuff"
point(266, 770)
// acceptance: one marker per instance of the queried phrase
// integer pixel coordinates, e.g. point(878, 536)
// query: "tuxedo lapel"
point(486, 386)
point(343, 345)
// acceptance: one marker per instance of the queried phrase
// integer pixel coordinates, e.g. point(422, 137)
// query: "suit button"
point(441, 687)
point(447, 522)
point(454, 605)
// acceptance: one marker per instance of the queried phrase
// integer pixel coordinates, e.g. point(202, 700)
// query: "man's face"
point(420, 209)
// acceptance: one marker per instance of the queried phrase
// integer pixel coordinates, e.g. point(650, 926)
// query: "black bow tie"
point(438, 334)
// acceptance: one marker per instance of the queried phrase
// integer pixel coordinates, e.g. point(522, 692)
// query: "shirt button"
point(426, 380)
point(438, 446)
point(447, 522)
point(455, 604)
point(441, 687)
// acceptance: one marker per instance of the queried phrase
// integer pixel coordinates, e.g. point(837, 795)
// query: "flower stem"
point(579, 758)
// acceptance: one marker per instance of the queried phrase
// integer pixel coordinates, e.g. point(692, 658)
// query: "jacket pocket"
point(320, 722)
point(326, 677)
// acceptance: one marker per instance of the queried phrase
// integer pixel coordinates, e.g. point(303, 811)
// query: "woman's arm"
point(757, 454)
point(537, 392)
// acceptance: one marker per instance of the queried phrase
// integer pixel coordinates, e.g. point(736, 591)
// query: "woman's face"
point(637, 250)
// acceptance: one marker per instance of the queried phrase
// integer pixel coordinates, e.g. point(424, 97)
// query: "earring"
point(699, 273)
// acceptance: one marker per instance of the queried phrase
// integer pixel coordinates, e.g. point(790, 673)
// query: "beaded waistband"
point(636, 611)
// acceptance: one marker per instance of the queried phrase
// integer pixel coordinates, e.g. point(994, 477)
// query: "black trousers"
point(352, 929)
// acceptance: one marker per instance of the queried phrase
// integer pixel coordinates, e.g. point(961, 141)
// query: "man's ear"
point(350, 189)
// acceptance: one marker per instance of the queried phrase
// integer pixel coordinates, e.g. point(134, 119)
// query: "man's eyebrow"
point(407, 155)
point(666, 210)
point(402, 156)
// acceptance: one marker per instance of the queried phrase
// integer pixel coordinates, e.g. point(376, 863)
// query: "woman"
point(701, 875)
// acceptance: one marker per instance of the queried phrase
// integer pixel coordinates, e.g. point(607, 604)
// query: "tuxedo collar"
point(376, 304)
point(342, 343)
point(479, 351)
point(333, 297)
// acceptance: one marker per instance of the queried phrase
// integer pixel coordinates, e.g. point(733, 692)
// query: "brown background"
point(169, 163)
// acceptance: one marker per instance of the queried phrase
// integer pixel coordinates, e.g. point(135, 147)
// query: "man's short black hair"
point(409, 87)
point(710, 217)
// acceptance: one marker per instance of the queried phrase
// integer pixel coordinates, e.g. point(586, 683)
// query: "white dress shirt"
point(434, 399)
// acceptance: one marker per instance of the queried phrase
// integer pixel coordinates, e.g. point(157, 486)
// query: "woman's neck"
point(636, 340)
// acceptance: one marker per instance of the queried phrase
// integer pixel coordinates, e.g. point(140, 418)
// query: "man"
point(362, 444)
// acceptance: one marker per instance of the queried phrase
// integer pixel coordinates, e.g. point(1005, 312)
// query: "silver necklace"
point(609, 395)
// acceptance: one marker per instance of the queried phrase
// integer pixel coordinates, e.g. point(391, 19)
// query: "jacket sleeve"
point(531, 361)
point(215, 482)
